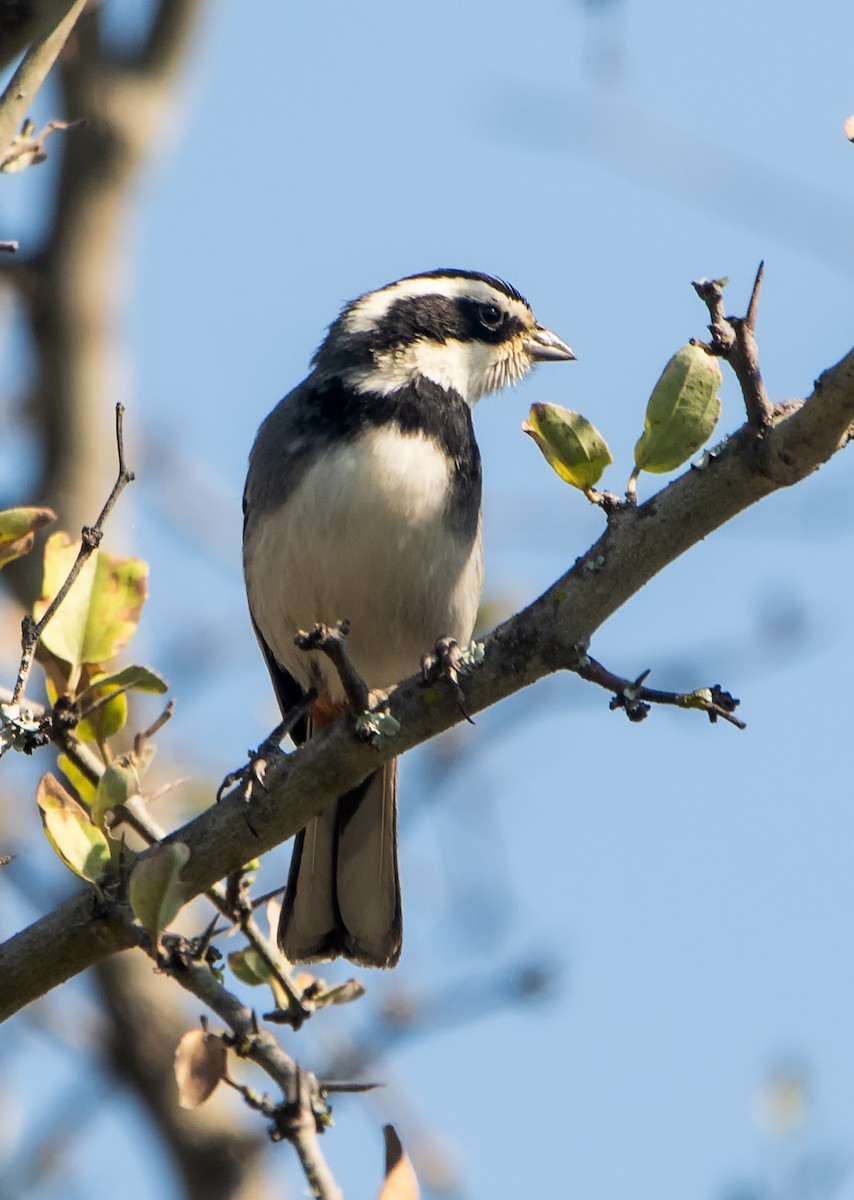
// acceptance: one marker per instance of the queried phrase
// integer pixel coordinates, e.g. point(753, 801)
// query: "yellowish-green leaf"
point(682, 411)
point(200, 1063)
point(570, 444)
point(80, 844)
point(134, 679)
point(249, 966)
point(17, 530)
point(106, 721)
point(82, 784)
point(342, 993)
point(108, 718)
point(118, 784)
point(101, 611)
point(155, 890)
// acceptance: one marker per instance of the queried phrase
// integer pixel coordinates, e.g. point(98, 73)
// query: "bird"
point(363, 502)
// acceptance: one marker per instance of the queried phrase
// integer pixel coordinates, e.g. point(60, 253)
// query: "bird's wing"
point(288, 691)
point(275, 468)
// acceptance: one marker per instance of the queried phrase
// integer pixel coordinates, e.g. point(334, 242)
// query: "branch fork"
point(734, 339)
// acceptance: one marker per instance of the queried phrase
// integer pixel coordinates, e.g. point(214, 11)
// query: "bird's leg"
point(252, 772)
point(368, 705)
point(332, 641)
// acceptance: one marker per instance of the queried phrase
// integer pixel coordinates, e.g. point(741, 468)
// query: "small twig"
point(260, 901)
point(134, 814)
point(295, 1119)
point(734, 339)
point(87, 712)
point(147, 734)
point(34, 67)
point(333, 643)
point(330, 1087)
point(91, 535)
point(631, 695)
point(27, 148)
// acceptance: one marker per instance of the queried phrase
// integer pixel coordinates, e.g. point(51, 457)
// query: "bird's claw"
point(247, 776)
point(447, 661)
point(254, 772)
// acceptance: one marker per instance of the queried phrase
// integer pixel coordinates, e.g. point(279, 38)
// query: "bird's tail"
point(343, 893)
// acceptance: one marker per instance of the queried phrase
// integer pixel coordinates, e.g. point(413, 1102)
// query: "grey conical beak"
point(545, 346)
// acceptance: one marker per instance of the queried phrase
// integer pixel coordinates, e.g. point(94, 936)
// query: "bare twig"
point(294, 1119)
point(734, 339)
point(260, 901)
point(27, 147)
point(32, 72)
point(297, 1012)
point(91, 535)
point(636, 699)
point(142, 739)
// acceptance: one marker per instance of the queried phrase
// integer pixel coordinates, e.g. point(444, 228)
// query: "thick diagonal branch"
point(535, 642)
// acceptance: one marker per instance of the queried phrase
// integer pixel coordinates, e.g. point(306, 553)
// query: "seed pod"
point(682, 411)
point(570, 444)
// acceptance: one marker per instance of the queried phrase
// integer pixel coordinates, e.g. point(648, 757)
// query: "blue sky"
point(694, 881)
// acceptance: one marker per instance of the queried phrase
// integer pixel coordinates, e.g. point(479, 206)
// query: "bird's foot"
point(253, 773)
point(332, 641)
point(447, 661)
point(368, 706)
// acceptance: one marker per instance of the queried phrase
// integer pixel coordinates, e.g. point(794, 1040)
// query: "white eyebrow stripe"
point(368, 311)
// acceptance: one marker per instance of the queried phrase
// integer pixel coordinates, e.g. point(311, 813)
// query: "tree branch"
point(734, 338)
point(294, 1119)
point(543, 638)
point(55, 26)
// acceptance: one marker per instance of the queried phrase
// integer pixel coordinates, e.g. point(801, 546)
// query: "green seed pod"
point(682, 411)
point(570, 444)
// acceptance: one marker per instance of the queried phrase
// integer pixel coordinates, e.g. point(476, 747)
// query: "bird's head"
point(466, 332)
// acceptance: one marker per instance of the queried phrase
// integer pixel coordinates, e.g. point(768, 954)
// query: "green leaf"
point(682, 411)
point(118, 784)
point(82, 784)
point(571, 445)
point(135, 679)
point(155, 890)
point(101, 611)
point(111, 716)
point(342, 993)
point(17, 530)
point(108, 718)
point(80, 844)
point(249, 966)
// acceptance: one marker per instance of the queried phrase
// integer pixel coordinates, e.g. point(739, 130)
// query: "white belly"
point(366, 537)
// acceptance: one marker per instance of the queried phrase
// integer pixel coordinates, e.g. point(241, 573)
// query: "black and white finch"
point(363, 502)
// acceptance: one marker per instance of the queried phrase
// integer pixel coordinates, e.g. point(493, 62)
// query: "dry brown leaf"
point(200, 1063)
point(849, 128)
point(400, 1179)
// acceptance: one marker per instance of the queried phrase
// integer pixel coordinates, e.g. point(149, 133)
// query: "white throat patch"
point(471, 369)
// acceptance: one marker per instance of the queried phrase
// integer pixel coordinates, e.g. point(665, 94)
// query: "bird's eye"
point(491, 315)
